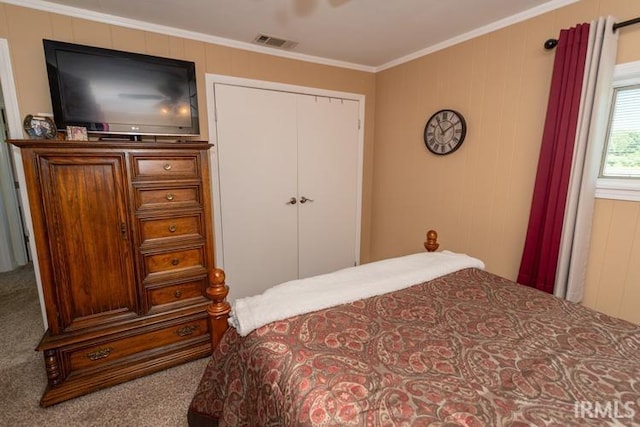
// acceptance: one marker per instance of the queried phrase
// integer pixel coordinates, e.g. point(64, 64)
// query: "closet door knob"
point(305, 200)
point(292, 201)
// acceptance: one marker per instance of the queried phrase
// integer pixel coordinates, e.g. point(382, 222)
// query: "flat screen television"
point(121, 93)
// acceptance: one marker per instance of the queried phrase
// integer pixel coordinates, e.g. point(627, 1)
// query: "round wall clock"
point(445, 132)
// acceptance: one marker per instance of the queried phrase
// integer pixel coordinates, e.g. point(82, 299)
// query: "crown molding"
point(192, 35)
point(494, 26)
point(177, 32)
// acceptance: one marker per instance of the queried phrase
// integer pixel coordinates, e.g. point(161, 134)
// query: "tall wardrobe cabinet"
point(123, 237)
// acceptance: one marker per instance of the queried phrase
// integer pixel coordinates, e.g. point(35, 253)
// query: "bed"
point(466, 347)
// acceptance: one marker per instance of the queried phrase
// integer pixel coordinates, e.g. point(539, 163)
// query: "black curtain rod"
point(551, 43)
point(626, 23)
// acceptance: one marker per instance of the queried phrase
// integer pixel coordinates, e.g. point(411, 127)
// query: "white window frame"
point(627, 74)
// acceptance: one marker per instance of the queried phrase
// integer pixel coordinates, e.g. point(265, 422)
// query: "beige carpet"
point(156, 400)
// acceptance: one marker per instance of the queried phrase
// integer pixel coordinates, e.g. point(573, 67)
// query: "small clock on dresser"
point(444, 132)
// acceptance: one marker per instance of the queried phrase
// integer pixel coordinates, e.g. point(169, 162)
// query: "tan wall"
point(613, 278)
point(25, 28)
point(479, 197)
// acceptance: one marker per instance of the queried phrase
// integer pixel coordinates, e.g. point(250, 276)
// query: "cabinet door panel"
point(89, 240)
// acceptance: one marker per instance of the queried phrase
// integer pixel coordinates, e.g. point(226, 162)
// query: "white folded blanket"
point(343, 286)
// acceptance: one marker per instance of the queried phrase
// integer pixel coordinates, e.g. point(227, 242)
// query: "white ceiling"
point(367, 34)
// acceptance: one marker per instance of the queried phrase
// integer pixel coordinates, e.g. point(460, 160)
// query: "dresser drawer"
point(166, 297)
point(156, 230)
point(174, 261)
point(166, 198)
point(107, 352)
point(166, 167)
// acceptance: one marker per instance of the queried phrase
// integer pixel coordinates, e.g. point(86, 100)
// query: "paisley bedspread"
point(469, 348)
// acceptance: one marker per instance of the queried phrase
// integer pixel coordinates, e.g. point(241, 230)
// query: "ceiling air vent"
point(274, 42)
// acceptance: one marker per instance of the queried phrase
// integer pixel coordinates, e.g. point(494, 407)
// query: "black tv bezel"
point(51, 47)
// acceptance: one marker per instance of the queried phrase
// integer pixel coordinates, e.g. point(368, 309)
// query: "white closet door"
point(327, 174)
point(257, 167)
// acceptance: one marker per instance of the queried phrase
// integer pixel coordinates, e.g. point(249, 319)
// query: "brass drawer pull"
point(172, 228)
point(166, 166)
point(100, 353)
point(187, 330)
point(175, 261)
point(170, 196)
point(177, 294)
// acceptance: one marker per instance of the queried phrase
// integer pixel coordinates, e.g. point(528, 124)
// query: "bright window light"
point(622, 155)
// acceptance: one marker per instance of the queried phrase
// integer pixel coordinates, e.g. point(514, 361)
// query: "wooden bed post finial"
point(431, 245)
point(219, 308)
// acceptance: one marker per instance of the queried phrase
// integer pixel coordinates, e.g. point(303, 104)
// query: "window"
point(620, 168)
point(622, 156)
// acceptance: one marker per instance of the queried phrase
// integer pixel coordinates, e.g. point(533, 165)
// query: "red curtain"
point(542, 245)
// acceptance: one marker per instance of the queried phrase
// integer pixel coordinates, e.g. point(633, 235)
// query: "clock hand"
point(442, 131)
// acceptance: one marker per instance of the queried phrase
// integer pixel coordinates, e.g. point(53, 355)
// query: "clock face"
point(445, 132)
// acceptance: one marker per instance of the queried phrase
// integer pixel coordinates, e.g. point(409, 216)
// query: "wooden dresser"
point(124, 241)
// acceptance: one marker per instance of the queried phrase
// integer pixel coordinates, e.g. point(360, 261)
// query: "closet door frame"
point(210, 81)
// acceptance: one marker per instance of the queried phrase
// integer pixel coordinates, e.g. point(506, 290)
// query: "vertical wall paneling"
point(479, 197)
point(24, 29)
point(3, 21)
point(612, 280)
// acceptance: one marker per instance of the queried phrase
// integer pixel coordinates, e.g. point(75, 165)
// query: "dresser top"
point(124, 144)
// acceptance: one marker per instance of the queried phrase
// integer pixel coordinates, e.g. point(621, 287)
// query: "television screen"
point(115, 92)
